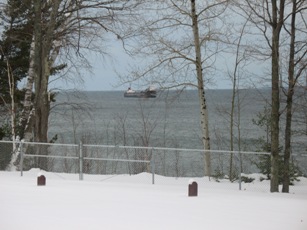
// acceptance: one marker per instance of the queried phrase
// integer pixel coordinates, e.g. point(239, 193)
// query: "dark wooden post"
point(41, 180)
point(193, 189)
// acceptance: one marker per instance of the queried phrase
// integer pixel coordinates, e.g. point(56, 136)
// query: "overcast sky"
point(105, 77)
point(105, 70)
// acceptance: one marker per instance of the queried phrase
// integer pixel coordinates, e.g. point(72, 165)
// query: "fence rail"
point(118, 160)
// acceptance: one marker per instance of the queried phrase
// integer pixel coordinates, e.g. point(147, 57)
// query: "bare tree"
point(181, 37)
point(268, 17)
point(143, 136)
point(240, 58)
point(12, 111)
point(63, 29)
point(297, 53)
point(59, 28)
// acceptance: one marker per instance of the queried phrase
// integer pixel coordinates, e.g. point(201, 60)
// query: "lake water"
point(170, 120)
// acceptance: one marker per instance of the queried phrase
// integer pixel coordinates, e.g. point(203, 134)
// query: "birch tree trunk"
point(11, 166)
point(201, 91)
point(27, 113)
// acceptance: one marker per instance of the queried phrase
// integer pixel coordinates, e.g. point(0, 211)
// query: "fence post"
point(80, 161)
point(21, 157)
point(153, 165)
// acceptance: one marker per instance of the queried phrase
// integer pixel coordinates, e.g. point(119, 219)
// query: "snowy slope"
point(132, 202)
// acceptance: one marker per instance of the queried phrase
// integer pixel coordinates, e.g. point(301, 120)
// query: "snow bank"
point(68, 204)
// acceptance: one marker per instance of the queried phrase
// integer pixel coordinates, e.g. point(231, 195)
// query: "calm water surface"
point(171, 119)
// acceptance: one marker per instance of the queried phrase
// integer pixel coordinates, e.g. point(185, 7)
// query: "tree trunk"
point(43, 38)
point(26, 117)
point(291, 84)
point(232, 122)
point(235, 95)
point(11, 81)
point(277, 23)
point(41, 119)
point(201, 91)
point(275, 115)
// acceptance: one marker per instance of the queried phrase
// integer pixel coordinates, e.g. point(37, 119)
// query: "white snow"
point(132, 202)
point(191, 181)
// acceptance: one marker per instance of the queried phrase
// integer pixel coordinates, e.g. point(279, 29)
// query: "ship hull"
point(140, 94)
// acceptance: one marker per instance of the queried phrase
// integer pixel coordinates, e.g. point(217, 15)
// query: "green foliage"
point(218, 176)
point(29, 162)
point(264, 165)
point(5, 155)
point(57, 69)
point(2, 133)
point(5, 149)
point(263, 121)
point(5, 131)
point(264, 161)
point(247, 179)
point(14, 49)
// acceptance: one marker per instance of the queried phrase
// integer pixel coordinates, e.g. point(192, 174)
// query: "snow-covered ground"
point(132, 202)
